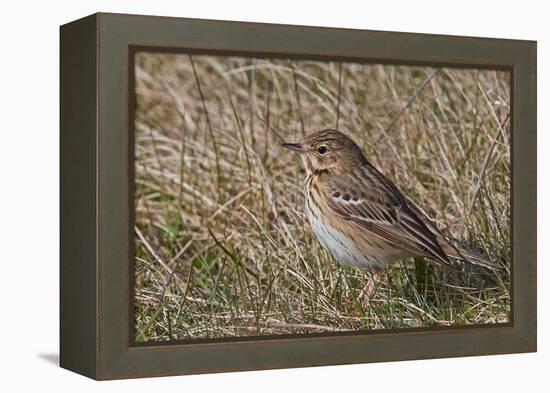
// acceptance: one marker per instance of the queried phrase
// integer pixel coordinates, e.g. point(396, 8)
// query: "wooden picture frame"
point(96, 195)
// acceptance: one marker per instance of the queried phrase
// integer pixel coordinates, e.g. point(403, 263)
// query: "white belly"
point(345, 250)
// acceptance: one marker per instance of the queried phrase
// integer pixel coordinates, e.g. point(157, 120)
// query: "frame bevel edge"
point(525, 169)
point(78, 190)
point(291, 25)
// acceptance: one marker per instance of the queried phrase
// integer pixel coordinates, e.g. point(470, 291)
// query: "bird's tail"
point(463, 253)
point(456, 249)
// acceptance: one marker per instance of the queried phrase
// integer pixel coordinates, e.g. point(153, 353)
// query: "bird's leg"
point(368, 291)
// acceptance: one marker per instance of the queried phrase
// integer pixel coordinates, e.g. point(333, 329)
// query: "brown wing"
point(376, 205)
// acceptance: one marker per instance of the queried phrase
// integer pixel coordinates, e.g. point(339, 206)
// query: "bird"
point(361, 217)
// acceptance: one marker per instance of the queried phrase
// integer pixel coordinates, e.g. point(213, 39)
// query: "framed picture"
point(241, 196)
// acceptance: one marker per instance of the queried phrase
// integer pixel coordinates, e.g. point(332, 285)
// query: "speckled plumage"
point(359, 215)
point(342, 238)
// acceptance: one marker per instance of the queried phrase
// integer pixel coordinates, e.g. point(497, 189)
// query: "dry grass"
point(223, 247)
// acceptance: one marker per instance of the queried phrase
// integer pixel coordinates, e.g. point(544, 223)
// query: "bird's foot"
point(370, 288)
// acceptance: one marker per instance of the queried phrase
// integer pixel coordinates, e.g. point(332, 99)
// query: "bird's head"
point(327, 149)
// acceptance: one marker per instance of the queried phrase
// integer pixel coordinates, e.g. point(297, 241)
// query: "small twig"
point(158, 259)
point(486, 164)
point(339, 93)
point(282, 325)
point(208, 123)
point(271, 128)
point(409, 103)
point(298, 100)
point(163, 294)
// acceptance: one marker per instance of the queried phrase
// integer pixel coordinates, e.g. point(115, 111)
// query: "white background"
point(29, 184)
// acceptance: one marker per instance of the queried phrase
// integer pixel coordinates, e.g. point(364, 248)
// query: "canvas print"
point(279, 196)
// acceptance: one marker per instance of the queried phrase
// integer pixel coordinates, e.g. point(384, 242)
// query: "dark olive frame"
point(97, 195)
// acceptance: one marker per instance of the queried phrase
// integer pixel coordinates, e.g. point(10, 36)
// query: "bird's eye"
point(322, 149)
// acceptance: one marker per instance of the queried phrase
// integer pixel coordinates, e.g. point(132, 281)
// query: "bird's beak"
point(297, 147)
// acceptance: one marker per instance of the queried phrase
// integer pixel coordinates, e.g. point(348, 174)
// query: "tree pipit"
point(360, 216)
